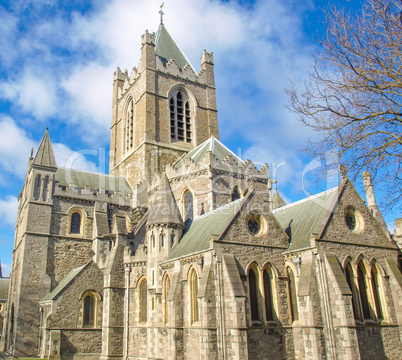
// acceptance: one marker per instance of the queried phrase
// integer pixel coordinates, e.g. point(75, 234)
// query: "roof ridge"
point(305, 200)
point(92, 172)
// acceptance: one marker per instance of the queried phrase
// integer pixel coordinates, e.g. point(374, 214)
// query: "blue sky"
point(57, 60)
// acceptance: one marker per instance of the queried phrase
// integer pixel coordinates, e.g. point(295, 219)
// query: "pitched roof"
point(214, 146)
point(45, 156)
point(167, 49)
point(200, 230)
point(64, 282)
point(164, 208)
point(82, 179)
point(302, 218)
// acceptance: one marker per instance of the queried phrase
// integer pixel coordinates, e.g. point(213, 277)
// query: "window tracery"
point(180, 117)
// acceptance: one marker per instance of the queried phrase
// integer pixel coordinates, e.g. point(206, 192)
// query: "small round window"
point(256, 224)
point(354, 220)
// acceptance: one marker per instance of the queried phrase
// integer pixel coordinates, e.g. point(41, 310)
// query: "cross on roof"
point(162, 13)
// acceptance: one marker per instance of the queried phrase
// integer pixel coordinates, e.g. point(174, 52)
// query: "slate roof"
point(164, 208)
point(200, 230)
point(82, 179)
point(4, 285)
point(302, 218)
point(166, 48)
point(63, 283)
point(45, 156)
point(213, 145)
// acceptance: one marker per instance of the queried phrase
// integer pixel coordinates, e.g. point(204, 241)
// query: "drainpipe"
point(126, 316)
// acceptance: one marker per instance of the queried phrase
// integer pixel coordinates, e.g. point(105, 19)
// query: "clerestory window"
point(180, 117)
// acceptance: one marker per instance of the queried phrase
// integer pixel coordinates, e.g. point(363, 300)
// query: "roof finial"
point(162, 13)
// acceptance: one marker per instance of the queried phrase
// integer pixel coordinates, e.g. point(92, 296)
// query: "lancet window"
point(292, 295)
point(188, 206)
point(180, 117)
point(37, 187)
point(130, 125)
point(166, 288)
point(89, 311)
point(75, 227)
point(143, 297)
point(193, 279)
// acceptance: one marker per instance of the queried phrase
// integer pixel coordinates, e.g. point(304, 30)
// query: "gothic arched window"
point(45, 188)
point(166, 288)
point(188, 206)
point(37, 187)
point(361, 279)
point(162, 239)
point(352, 287)
point(89, 311)
point(269, 308)
point(235, 194)
point(292, 295)
point(130, 125)
point(376, 292)
point(180, 117)
point(193, 279)
point(143, 297)
point(253, 290)
point(75, 227)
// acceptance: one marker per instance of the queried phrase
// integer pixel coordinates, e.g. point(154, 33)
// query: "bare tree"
point(353, 97)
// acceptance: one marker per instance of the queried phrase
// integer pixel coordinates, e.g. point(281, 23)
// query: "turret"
point(371, 202)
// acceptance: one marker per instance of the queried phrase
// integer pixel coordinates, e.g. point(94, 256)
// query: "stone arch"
point(90, 300)
point(292, 288)
point(193, 281)
point(72, 219)
point(166, 282)
point(142, 295)
point(182, 106)
point(235, 193)
point(128, 123)
point(187, 206)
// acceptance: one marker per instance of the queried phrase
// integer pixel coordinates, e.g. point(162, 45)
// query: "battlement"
point(148, 38)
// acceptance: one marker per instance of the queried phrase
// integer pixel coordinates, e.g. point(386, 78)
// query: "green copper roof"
point(304, 217)
point(213, 145)
point(198, 235)
point(166, 48)
point(82, 179)
point(63, 283)
point(4, 285)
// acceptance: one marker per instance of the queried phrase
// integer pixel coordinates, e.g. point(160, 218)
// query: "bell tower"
point(162, 110)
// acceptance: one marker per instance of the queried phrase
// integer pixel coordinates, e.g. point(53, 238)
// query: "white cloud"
point(8, 210)
point(15, 147)
point(90, 92)
point(67, 158)
point(34, 94)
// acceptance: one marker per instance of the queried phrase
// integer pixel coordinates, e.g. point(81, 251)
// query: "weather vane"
point(161, 12)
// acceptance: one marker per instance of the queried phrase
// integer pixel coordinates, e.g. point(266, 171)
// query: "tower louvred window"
point(180, 117)
point(130, 125)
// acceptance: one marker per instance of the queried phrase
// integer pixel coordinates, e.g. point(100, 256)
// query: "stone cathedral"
point(185, 251)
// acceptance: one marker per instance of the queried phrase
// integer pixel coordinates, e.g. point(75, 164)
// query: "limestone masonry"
point(185, 251)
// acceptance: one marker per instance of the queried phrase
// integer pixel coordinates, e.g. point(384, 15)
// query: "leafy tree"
point(353, 97)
